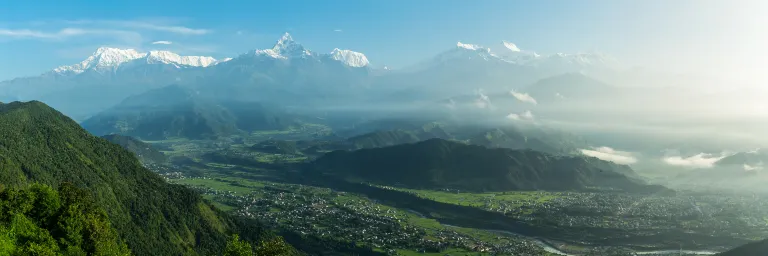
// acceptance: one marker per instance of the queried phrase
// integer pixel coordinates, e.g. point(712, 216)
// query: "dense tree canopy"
point(39, 220)
point(40, 145)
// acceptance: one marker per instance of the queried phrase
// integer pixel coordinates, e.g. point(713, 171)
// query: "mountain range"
point(288, 72)
point(174, 111)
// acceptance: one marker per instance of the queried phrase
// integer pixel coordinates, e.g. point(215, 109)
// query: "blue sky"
point(36, 36)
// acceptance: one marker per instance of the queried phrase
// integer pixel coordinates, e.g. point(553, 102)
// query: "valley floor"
point(391, 220)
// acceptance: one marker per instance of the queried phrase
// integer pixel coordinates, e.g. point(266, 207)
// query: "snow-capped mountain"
point(103, 59)
point(166, 57)
point(286, 48)
point(462, 52)
point(509, 53)
point(289, 72)
point(349, 58)
point(106, 59)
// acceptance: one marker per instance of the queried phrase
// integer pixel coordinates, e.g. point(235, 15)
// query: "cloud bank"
point(524, 97)
point(611, 155)
point(525, 116)
point(698, 161)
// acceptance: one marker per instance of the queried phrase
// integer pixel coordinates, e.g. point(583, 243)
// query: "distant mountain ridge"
point(178, 112)
point(107, 59)
point(287, 72)
point(438, 163)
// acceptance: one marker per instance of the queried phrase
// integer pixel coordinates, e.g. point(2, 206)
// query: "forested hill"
point(40, 145)
point(438, 163)
point(143, 151)
point(759, 248)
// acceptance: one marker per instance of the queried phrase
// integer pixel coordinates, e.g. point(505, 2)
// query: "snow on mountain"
point(349, 58)
point(105, 58)
point(109, 59)
point(511, 53)
point(285, 48)
point(166, 57)
point(510, 46)
point(221, 61)
point(468, 46)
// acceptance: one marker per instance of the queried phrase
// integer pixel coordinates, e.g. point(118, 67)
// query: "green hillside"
point(38, 220)
point(40, 145)
point(438, 163)
point(143, 151)
point(758, 248)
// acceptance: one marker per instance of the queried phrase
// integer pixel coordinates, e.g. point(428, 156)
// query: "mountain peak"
point(286, 38)
point(109, 59)
point(285, 48)
point(510, 46)
point(350, 58)
point(104, 58)
point(468, 46)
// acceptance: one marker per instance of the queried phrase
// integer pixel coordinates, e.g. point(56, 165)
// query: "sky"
point(725, 37)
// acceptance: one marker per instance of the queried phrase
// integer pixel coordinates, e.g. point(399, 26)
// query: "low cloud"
point(756, 167)
point(611, 155)
point(525, 116)
point(162, 42)
point(482, 101)
point(337, 30)
point(698, 161)
point(559, 96)
point(524, 97)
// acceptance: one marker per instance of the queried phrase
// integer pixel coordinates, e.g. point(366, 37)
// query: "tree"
point(236, 247)
point(273, 246)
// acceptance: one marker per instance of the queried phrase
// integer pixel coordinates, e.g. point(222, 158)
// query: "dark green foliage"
point(39, 144)
point(143, 151)
point(271, 246)
point(65, 222)
point(175, 111)
point(438, 163)
point(237, 247)
point(276, 147)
